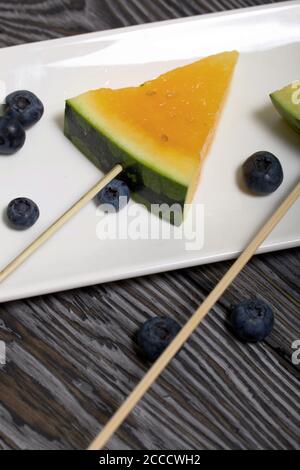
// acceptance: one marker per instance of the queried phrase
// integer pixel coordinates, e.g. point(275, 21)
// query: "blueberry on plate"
point(12, 135)
point(24, 106)
point(22, 213)
point(252, 320)
point(155, 335)
point(116, 193)
point(263, 173)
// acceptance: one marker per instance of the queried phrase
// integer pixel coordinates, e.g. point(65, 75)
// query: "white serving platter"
point(51, 171)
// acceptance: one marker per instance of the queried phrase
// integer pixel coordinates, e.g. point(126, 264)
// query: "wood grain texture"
point(194, 322)
point(35, 20)
point(72, 356)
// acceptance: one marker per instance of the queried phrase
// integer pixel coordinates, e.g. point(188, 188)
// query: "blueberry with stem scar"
point(263, 173)
point(24, 106)
point(116, 193)
point(155, 335)
point(252, 320)
point(22, 213)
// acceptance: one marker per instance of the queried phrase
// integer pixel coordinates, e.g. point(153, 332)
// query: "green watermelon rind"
point(283, 101)
point(145, 183)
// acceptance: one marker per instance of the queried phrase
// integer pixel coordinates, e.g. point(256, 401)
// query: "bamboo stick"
point(191, 325)
point(15, 263)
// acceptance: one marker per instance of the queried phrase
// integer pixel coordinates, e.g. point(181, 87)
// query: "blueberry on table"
point(12, 135)
point(24, 106)
point(155, 335)
point(252, 320)
point(263, 173)
point(116, 193)
point(22, 213)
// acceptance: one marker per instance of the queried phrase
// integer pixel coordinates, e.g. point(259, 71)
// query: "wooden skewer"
point(190, 326)
point(13, 265)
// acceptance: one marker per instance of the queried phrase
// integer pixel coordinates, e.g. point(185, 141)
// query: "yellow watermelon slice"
point(160, 131)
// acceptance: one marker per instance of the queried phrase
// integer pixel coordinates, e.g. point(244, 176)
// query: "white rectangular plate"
point(51, 171)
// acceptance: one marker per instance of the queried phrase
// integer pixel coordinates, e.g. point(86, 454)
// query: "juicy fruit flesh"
point(167, 123)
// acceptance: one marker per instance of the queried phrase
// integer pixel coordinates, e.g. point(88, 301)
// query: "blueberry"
point(263, 172)
point(252, 320)
point(24, 106)
point(155, 335)
point(12, 135)
point(22, 213)
point(112, 193)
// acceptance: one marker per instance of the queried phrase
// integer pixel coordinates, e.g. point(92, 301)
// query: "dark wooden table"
point(71, 357)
